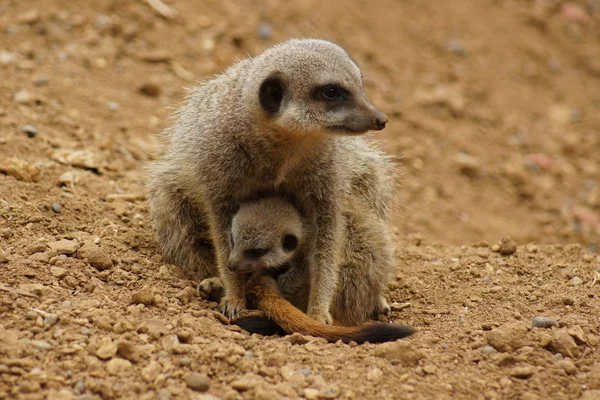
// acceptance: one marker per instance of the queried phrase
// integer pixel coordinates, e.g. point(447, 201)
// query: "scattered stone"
point(568, 301)
point(508, 337)
point(3, 257)
point(41, 345)
point(523, 372)
point(487, 350)
point(19, 169)
point(144, 296)
point(23, 97)
point(151, 371)
point(58, 272)
point(118, 366)
point(455, 46)
point(467, 164)
point(246, 382)
point(50, 319)
point(40, 80)
point(507, 246)
point(112, 106)
point(170, 342)
point(77, 158)
point(399, 306)
point(564, 344)
point(568, 366)
point(311, 394)
point(155, 328)
point(64, 246)
point(122, 326)
point(107, 351)
point(297, 338)
point(128, 351)
point(543, 322)
point(401, 351)
point(374, 374)
point(329, 392)
point(575, 281)
point(55, 207)
point(588, 257)
point(155, 56)
point(264, 31)
point(197, 381)
point(30, 131)
point(36, 248)
point(6, 57)
point(95, 256)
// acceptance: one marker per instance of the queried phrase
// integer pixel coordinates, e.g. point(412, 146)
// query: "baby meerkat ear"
point(271, 94)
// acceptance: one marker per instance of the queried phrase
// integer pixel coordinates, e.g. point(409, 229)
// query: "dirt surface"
point(494, 109)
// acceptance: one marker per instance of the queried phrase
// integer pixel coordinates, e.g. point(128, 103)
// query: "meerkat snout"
point(380, 121)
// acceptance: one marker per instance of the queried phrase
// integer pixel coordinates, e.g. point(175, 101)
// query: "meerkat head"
point(310, 86)
point(264, 234)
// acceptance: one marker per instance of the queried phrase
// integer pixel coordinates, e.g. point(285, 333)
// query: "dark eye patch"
point(289, 242)
point(256, 253)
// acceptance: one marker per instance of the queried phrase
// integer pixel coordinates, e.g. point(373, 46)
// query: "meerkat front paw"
point(322, 316)
point(231, 307)
point(211, 289)
point(383, 307)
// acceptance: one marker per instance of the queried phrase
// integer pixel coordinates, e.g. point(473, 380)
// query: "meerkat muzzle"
point(380, 121)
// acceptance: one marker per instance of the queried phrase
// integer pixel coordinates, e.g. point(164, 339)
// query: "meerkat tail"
point(282, 316)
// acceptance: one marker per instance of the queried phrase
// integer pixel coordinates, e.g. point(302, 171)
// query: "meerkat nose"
point(380, 120)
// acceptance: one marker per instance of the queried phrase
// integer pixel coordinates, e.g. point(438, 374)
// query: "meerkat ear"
point(271, 94)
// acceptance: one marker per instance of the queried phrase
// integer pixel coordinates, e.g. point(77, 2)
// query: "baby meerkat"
point(269, 234)
point(287, 121)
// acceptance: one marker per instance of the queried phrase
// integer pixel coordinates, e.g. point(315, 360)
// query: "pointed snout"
point(379, 121)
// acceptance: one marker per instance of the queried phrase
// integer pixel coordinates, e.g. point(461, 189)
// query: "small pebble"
point(30, 131)
point(543, 322)
point(197, 381)
point(58, 272)
point(568, 301)
point(118, 366)
point(113, 106)
point(50, 320)
point(588, 257)
point(523, 372)
point(568, 366)
point(575, 281)
point(487, 350)
point(264, 31)
point(55, 207)
point(455, 46)
point(23, 97)
point(507, 246)
point(41, 345)
point(106, 351)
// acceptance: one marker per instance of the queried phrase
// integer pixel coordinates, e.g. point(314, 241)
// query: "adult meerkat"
point(270, 234)
point(286, 121)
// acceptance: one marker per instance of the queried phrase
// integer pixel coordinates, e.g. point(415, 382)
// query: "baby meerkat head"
point(311, 86)
point(264, 234)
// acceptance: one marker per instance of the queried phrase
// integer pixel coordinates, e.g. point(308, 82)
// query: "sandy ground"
point(494, 109)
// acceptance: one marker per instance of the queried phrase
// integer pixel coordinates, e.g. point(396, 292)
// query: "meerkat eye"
point(289, 243)
point(256, 253)
point(331, 92)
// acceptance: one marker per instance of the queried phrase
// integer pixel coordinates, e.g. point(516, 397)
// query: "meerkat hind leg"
point(383, 307)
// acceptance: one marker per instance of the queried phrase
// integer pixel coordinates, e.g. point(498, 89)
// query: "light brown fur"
point(264, 125)
point(366, 262)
